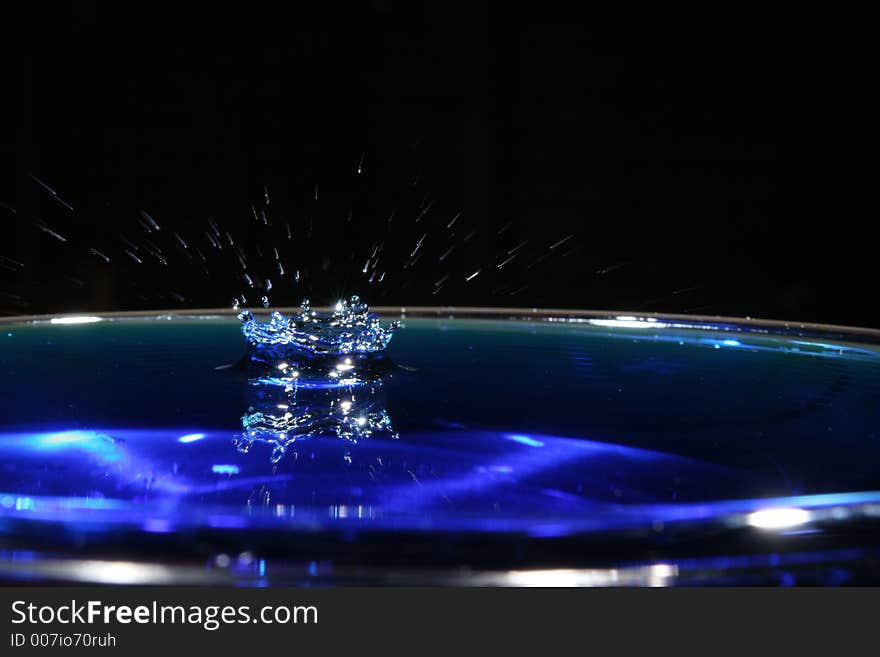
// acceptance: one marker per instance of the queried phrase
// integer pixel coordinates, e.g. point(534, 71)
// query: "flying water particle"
point(424, 210)
point(268, 285)
point(133, 257)
point(418, 245)
point(43, 227)
point(150, 221)
point(561, 242)
point(265, 301)
point(446, 253)
point(454, 219)
point(611, 268)
point(52, 193)
point(500, 265)
point(473, 276)
point(360, 168)
point(10, 264)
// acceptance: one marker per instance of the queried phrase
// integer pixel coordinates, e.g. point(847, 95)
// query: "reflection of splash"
point(311, 396)
point(350, 328)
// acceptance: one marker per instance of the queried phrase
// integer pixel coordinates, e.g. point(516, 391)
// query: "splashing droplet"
point(351, 327)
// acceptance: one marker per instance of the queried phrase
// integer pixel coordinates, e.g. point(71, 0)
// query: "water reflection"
point(294, 395)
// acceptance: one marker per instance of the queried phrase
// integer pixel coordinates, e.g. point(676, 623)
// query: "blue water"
point(542, 430)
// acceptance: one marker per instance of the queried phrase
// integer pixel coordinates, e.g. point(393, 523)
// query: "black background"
point(716, 161)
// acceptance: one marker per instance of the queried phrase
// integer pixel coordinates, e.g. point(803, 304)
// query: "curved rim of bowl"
point(676, 320)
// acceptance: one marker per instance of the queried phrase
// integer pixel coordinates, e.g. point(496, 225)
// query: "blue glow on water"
point(157, 526)
point(191, 438)
point(52, 440)
point(629, 436)
point(99, 444)
point(225, 468)
point(524, 440)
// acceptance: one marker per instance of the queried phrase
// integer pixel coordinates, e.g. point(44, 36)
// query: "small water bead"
point(265, 301)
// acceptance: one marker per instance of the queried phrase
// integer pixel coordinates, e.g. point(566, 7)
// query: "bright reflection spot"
point(731, 343)
point(190, 437)
point(345, 366)
point(626, 321)
point(64, 438)
point(225, 469)
point(778, 518)
point(524, 440)
point(77, 319)
point(120, 572)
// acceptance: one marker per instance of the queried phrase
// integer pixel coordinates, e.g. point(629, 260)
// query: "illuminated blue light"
point(157, 526)
point(225, 469)
point(190, 437)
point(524, 440)
point(99, 444)
point(227, 522)
point(64, 438)
point(731, 343)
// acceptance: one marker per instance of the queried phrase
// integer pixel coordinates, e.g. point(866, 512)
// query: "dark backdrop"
point(719, 161)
